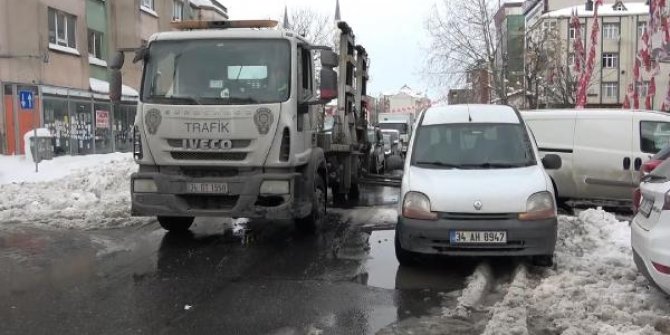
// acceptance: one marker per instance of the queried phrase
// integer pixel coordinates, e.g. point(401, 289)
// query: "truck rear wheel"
point(175, 224)
point(315, 218)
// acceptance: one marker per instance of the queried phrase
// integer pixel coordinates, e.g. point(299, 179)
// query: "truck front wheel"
point(315, 218)
point(175, 224)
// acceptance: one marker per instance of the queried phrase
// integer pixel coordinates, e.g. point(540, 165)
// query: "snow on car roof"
point(469, 113)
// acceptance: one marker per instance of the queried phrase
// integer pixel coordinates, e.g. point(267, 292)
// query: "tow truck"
point(230, 123)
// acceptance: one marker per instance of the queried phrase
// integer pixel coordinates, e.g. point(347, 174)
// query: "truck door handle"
point(638, 163)
point(626, 163)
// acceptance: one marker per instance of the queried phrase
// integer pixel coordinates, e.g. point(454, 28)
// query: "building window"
point(643, 88)
point(95, 44)
point(611, 31)
point(178, 10)
point(610, 60)
point(610, 90)
point(62, 28)
point(572, 32)
point(619, 7)
point(149, 4)
point(641, 28)
point(549, 25)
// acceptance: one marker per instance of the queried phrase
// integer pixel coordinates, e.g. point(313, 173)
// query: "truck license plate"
point(207, 188)
point(478, 237)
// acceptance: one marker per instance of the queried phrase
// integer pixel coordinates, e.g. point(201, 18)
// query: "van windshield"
point(472, 146)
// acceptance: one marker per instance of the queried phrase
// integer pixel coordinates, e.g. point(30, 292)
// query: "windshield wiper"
point(440, 164)
point(494, 165)
point(172, 98)
point(653, 178)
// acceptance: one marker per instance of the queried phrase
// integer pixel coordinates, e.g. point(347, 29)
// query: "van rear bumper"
point(524, 238)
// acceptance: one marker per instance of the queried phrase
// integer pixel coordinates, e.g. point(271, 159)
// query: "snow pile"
point(94, 197)
point(478, 284)
point(510, 315)
point(597, 289)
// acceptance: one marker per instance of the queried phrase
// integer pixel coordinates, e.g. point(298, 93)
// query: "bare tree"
point(463, 37)
point(314, 26)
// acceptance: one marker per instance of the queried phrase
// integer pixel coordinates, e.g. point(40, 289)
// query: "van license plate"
point(478, 237)
point(645, 207)
point(207, 188)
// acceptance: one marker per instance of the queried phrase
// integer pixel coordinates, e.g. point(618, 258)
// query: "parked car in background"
point(376, 157)
point(646, 168)
point(650, 229)
point(602, 149)
point(474, 186)
point(402, 122)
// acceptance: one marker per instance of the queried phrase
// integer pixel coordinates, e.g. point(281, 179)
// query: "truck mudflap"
point(238, 196)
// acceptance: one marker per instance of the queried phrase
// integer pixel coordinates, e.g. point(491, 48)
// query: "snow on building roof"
point(101, 86)
point(208, 4)
point(632, 8)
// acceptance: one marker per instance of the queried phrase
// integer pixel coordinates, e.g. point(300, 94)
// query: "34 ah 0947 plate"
point(477, 237)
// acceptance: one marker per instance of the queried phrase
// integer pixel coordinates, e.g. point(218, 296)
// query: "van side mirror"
point(552, 162)
point(329, 59)
point(328, 84)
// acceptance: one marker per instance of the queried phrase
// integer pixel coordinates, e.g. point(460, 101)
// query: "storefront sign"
point(102, 119)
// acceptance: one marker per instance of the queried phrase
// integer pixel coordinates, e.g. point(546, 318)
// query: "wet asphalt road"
point(226, 277)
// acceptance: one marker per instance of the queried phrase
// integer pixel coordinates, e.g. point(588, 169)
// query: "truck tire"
point(354, 192)
point(404, 257)
point(315, 218)
point(394, 162)
point(175, 224)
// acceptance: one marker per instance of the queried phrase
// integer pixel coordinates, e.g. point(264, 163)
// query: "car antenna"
point(469, 116)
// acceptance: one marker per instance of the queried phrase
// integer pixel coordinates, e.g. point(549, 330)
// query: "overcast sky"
point(393, 35)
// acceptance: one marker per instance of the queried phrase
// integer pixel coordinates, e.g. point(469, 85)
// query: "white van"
point(601, 149)
point(474, 186)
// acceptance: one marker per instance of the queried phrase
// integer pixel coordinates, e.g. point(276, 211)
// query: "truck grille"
point(211, 202)
point(236, 144)
point(209, 156)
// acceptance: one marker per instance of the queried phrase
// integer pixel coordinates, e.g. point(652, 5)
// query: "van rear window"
point(654, 136)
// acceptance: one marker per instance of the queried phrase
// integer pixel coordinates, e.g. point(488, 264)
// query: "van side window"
point(654, 136)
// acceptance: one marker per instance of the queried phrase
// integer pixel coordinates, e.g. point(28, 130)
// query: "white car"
point(474, 186)
point(650, 229)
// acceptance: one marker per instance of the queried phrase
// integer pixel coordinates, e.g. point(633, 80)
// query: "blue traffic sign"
point(26, 99)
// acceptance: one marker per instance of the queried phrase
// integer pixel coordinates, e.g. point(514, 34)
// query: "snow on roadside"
point(597, 288)
point(509, 316)
point(82, 192)
point(478, 284)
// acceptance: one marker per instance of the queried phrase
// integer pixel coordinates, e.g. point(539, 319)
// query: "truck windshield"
point(217, 72)
point(472, 146)
point(401, 127)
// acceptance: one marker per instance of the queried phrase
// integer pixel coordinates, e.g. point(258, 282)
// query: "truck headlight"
point(539, 206)
point(144, 186)
point(275, 187)
point(417, 206)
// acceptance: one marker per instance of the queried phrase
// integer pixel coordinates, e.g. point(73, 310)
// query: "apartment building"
point(510, 30)
point(622, 24)
point(53, 67)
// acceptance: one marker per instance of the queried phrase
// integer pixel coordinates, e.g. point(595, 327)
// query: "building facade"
point(53, 67)
point(510, 31)
point(406, 100)
point(622, 24)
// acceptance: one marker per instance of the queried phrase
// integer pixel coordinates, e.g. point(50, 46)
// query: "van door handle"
point(626, 163)
point(638, 163)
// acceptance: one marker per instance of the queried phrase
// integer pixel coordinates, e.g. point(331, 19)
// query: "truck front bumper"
point(243, 198)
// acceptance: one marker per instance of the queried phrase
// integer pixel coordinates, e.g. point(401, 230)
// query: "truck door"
point(603, 160)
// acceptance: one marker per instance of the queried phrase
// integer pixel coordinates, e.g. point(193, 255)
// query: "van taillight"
point(137, 143)
point(285, 149)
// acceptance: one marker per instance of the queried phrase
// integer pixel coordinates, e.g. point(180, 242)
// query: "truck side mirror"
point(552, 162)
point(328, 85)
point(115, 78)
point(329, 59)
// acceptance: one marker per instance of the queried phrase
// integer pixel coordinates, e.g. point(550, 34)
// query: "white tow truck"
point(230, 123)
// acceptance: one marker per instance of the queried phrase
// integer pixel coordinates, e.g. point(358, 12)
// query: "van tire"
point(317, 215)
point(545, 261)
point(405, 258)
point(175, 224)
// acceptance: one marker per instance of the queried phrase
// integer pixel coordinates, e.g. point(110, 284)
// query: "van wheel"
point(175, 224)
point(405, 258)
point(545, 261)
point(316, 217)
